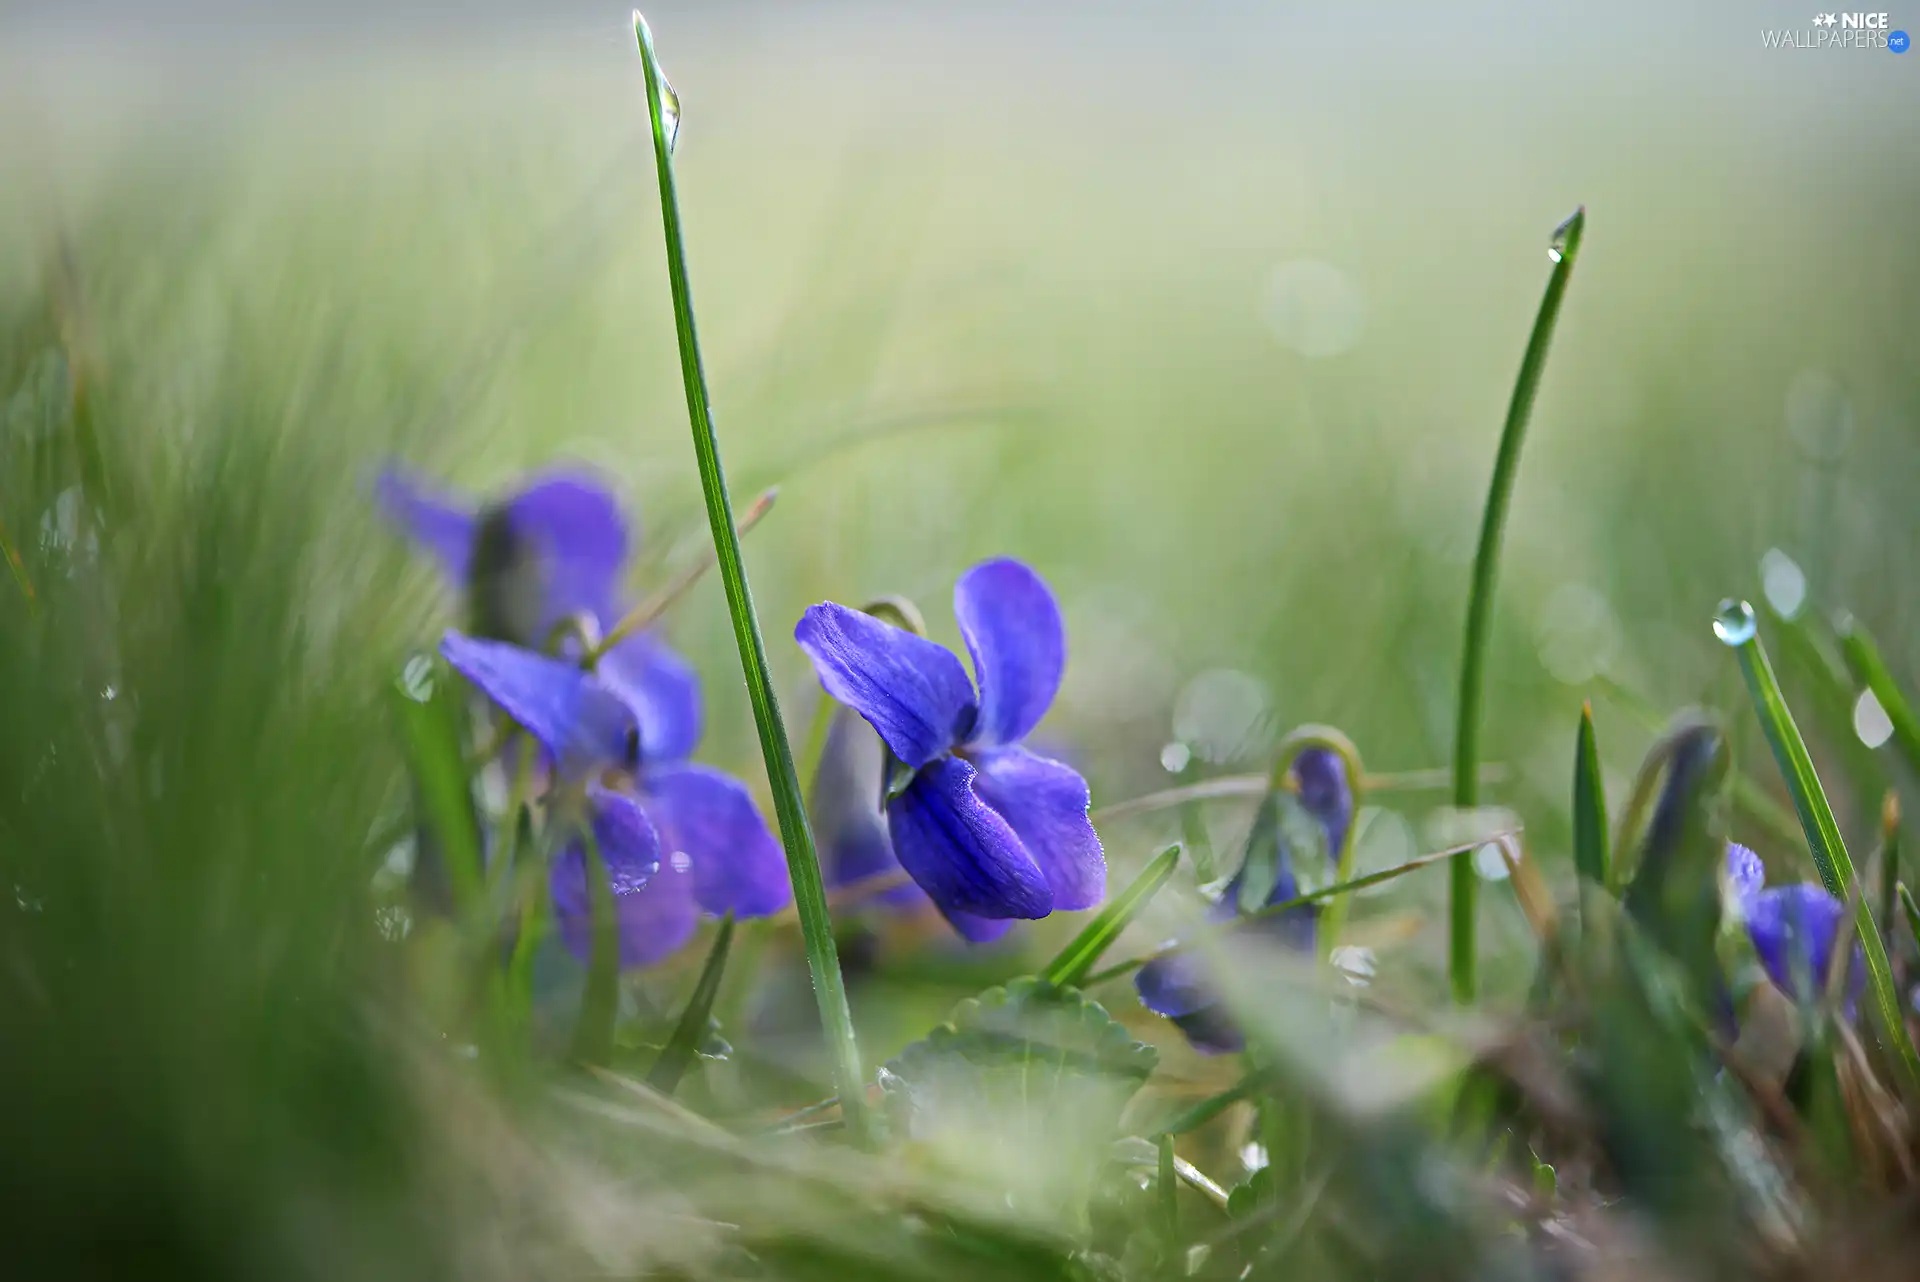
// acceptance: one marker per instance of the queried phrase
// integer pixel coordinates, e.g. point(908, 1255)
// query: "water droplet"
point(1357, 964)
point(669, 112)
point(1175, 757)
point(1315, 309)
point(1557, 243)
point(109, 694)
point(1783, 582)
point(27, 903)
point(1490, 863)
point(1253, 1157)
point(1870, 720)
point(416, 679)
point(1734, 623)
point(681, 861)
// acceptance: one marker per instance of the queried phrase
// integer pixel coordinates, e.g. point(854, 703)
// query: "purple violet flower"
point(990, 830)
point(1177, 986)
point(1793, 928)
point(683, 838)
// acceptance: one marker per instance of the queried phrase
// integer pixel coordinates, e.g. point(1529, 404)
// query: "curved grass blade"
point(1912, 910)
point(1073, 962)
point(691, 1031)
point(1564, 250)
point(1591, 858)
point(796, 834)
point(1298, 901)
point(1870, 670)
point(1734, 624)
point(1259, 785)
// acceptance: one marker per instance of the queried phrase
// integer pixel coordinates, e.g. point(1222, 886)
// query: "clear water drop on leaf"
point(1734, 623)
point(669, 112)
point(1557, 243)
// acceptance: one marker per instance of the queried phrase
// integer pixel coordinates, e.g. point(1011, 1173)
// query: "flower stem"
point(803, 864)
point(1462, 951)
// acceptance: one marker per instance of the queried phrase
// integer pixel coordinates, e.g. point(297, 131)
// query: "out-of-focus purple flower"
point(990, 830)
point(552, 550)
point(1177, 986)
point(556, 547)
point(687, 839)
point(1793, 929)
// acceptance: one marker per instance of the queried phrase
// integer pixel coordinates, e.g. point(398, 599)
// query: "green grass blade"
point(1870, 670)
point(1462, 947)
point(1889, 856)
point(1298, 901)
point(600, 1003)
point(1168, 1187)
point(796, 834)
point(1199, 1114)
point(1734, 624)
point(1591, 857)
point(1073, 962)
point(691, 1031)
point(1912, 910)
point(430, 734)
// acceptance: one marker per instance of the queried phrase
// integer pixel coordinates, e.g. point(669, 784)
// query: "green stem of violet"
point(803, 864)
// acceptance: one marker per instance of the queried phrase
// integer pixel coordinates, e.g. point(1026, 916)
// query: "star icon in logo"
point(1824, 20)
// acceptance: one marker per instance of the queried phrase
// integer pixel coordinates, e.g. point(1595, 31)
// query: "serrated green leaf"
point(1021, 1089)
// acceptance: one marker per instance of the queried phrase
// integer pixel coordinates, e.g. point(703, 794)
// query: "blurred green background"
point(1209, 312)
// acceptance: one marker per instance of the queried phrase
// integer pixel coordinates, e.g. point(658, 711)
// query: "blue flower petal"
point(573, 716)
point(1045, 803)
point(1326, 794)
point(442, 526)
point(1793, 929)
point(1014, 632)
point(654, 910)
point(909, 689)
point(845, 807)
point(960, 851)
point(1174, 985)
point(707, 820)
point(663, 691)
point(1211, 1031)
point(1746, 875)
point(574, 525)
